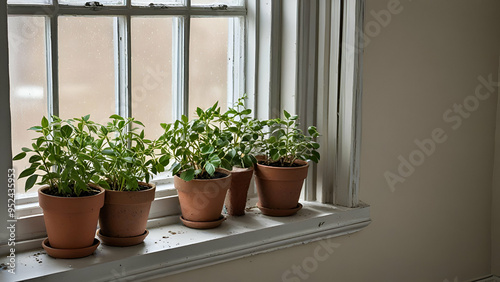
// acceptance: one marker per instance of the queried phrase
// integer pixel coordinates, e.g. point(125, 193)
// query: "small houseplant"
point(129, 162)
point(64, 160)
point(281, 170)
point(244, 130)
point(199, 147)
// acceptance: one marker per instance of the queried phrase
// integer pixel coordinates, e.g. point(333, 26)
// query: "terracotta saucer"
point(122, 241)
point(203, 224)
point(279, 212)
point(69, 253)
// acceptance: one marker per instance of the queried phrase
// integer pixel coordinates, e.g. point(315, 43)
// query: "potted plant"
point(199, 147)
point(64, 159)
point(244, 130)
point(281, 170)
point(129, 162)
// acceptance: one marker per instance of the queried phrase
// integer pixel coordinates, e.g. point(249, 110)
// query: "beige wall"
point(437, 224)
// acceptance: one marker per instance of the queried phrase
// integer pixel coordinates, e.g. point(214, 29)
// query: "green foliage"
point(128, 157)
point(285, 142)
point(64, 156)
point(245, 133)
point(198, 146)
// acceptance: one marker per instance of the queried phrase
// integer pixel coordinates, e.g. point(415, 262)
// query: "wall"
point(436, 225)
point(5, 146)
point(495, 200)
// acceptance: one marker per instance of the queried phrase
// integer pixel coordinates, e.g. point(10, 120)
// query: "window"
point(153, 61)
point(299, 56)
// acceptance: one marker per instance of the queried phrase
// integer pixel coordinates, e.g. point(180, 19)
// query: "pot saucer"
point(279, 212)
point(203, 224)
point(122, 241)
point(69, 253)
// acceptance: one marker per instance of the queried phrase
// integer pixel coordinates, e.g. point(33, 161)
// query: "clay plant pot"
point(279, 187)
point(124, 216)
point(202, 200)
point(71, 222)
point(236, 197)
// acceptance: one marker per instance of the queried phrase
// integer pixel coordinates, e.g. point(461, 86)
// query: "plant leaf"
point(188, 174)
point(27, 172)
point(45, 122)
point(210, 168)
point(30, 182)
point(19, 156)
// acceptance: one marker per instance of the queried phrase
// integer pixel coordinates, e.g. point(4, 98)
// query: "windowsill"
point(173, 248)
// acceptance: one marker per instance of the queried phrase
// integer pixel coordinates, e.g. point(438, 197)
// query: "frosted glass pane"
point(208, 63)
point(152, 72)
point(86, 67)
point(28, 87)
point(217, 2)
point(29, 2)
point(157, 2)
point(82, 2)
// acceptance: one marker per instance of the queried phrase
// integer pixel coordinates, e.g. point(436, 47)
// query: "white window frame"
point(279, 50)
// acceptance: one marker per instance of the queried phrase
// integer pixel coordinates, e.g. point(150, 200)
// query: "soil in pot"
point(236, 197)
point(71, 222)
point(279, 187)
point(202, 199)
point(125, 214)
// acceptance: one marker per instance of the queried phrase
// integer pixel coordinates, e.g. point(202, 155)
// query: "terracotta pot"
point(200, 199)
point(125, 213)
point(71, 222)
point(279, 187)
point(236, 197)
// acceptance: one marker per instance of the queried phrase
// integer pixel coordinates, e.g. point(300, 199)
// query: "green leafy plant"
point(285, 142)
point(64, 156)
point(128, 157)
point(198, 146)
point(245, 133)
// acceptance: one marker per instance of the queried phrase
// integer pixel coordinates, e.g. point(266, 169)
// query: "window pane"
point(217, 2)
point(208, 59)
point(29, 2)
point(86, 67)
point(82, 2)
point(157, 2)
point(152, 72)
point(28, 84)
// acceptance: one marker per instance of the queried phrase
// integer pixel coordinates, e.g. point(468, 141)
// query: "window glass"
point(86, 68)
point(157, 2)
point(152, 72)
point(208, 60)
point(28, 84)
point(35, 2)
point(82, 2)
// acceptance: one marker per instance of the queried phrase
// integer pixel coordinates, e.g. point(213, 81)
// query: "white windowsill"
point(172, 248)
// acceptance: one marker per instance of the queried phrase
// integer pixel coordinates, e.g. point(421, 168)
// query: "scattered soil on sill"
point(278, 164)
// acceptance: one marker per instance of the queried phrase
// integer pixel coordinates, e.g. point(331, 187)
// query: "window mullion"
point(180, 67)
point(123, 66)
point(52, 64)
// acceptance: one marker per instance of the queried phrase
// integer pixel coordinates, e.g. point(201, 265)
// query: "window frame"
point(338, 75)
